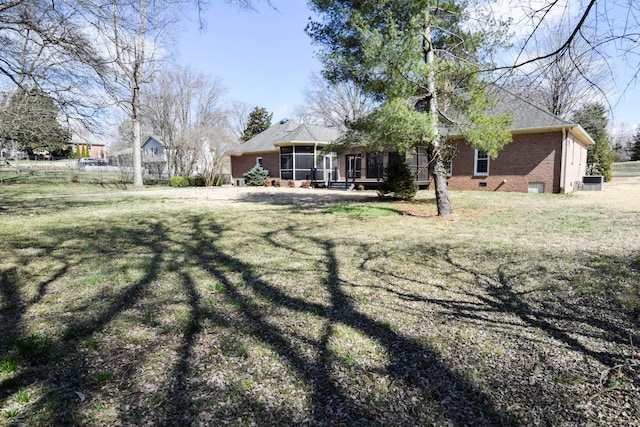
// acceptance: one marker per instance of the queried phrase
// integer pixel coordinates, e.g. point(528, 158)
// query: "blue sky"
point(265, 58)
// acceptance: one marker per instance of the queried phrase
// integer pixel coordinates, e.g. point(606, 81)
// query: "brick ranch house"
point(547, 155)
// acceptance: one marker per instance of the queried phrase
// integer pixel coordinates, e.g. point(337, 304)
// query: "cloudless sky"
point(265, 58)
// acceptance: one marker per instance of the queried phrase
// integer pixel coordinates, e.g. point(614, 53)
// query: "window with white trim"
point(259, 161)
point(481, 163)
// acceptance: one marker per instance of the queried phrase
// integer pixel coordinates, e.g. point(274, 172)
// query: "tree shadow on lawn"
point(575, 332)
point(442, 393)
point(305, 198)
point(60, 366)
point(19, 205)
point(435, 391)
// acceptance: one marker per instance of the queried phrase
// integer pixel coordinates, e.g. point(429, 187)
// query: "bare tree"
point(133, 35)
point(187, 110)
point(43, 48)
point(604, 31)
point(238, 117)
point(563, 83)
point(331, 104)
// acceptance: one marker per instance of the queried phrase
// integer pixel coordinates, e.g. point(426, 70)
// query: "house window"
point(259, 161)
point(481, 163)
point(418, 162)
point(374, 165)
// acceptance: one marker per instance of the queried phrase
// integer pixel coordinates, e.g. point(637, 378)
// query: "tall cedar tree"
point(635, 145)
point(422, 61)
point(259, 120)
point(593, 118)
point(31, 120)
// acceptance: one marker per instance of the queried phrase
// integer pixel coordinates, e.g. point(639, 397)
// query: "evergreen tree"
point(30, 118)
point(593, 118)
point(635, 145)
point(398, 180)
point(256, 175)
point(259, 120)
point(422, 60)
point(78, 151)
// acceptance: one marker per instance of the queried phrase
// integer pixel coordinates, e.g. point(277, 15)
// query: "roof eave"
point(582, 135)
point(283, 143)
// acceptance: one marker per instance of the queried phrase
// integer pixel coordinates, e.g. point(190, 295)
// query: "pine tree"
point(593, 118)
point(398, 180)
point(259, 120)
point(422, 60)
point(29, 117)
point(635, 145)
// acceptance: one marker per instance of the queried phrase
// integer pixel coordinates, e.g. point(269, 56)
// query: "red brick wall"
point(243, 163)
point(527, 159)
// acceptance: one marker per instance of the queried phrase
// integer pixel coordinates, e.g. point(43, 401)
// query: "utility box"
point(240, 182)
point(593, 183)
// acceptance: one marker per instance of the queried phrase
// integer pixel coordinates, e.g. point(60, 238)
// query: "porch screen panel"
point(303, 163)
point(286, 162)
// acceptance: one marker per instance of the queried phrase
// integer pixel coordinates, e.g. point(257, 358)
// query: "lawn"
point(242, 307)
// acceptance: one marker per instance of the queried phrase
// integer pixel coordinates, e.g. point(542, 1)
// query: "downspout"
point(563, 161)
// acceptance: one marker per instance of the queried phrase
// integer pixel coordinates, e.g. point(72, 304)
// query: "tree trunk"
point(137, 143)
point(439, 172)
point(440, 183)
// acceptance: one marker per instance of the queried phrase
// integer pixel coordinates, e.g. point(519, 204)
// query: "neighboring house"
point(154, 157)
point(547, 155)
point(97, 149)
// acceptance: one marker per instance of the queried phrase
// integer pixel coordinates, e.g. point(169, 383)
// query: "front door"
point(331, 168)
point(354, 166)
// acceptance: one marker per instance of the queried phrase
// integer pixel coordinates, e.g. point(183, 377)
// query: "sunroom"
point(307, 162)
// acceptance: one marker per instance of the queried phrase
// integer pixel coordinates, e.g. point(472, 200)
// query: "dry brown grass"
point(289, 307)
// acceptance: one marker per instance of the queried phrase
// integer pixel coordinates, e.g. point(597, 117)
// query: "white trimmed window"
point(481, 163)
point(259, 161)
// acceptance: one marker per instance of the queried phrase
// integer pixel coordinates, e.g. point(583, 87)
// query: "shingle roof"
point(526, 117)
point(525, 114)
point(288, 131)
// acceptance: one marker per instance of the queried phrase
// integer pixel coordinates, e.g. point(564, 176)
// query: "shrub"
point(187, 181)
point(276, 183)
point(305, 184)
point(179, 181)
point(291, 183)
point(266, 183)
point(398, 181)
point(256, 175)
point(197, 181)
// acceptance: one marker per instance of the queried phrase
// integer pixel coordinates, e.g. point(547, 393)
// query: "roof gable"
point(151, 139)
point(287, 131)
